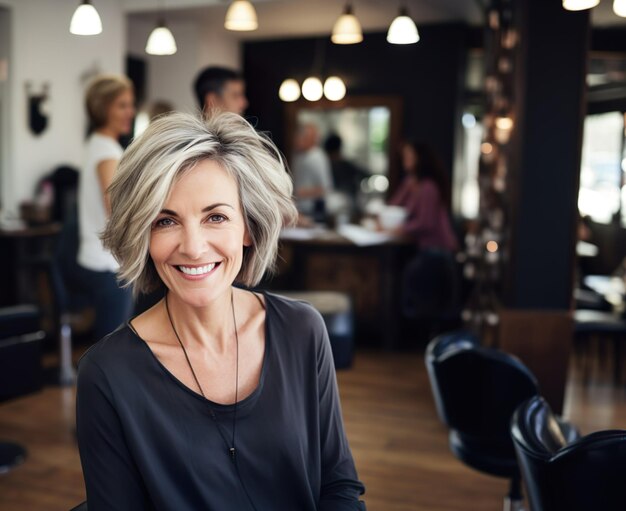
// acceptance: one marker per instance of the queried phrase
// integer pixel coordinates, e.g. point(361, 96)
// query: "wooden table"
point(328, 261)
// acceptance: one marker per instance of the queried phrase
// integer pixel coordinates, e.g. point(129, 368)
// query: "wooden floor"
point(399, 445)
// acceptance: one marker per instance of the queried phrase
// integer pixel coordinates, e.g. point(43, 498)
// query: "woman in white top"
point(110, 107)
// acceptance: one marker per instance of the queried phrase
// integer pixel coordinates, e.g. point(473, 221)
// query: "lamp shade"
point(334, 88)
point(619, 8)
point(289, 90)
point(347, 28)
point(241, 16)
point(312, 89)
point(86, 20)
point(161, 41)
point(579, 5)
point(402, 29)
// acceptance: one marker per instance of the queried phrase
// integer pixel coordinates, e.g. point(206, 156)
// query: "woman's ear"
point(247, 239)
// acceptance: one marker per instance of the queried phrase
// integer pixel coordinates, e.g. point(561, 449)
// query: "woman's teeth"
point(197, 270)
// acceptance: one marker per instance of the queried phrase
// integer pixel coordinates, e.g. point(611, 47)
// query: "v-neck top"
point(149, 442)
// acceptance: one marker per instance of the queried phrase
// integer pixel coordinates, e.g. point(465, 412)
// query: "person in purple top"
point(425, 193)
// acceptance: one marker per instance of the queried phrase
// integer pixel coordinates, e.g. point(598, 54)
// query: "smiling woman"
point(216, 397)
point(109, 101)
point(195, 242)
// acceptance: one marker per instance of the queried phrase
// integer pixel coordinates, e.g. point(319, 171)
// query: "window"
point(600, 190)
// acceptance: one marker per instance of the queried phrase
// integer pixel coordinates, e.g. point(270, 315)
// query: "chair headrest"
point(535, 428)
point(451, 341)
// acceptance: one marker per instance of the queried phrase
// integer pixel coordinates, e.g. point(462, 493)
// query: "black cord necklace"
point(231, 447)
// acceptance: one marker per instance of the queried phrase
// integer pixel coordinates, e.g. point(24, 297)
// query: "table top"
point(345, 235)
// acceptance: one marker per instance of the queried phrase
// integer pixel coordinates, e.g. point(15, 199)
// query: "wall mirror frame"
point(392, 103)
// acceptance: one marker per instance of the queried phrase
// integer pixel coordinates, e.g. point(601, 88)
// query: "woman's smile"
point(197, 272)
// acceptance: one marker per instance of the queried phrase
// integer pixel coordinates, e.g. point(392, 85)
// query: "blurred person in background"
point(311, 173)
point(425, 193)
point(347, 176)
point(430, 283)
point(222, 89)
point(110, 107)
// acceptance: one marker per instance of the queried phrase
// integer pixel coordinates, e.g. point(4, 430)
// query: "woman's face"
point(197, 241)
point(121, 113)
point(409, 159)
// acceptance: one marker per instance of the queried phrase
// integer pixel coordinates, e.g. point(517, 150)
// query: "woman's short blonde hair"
point(101, 92)
point(172, 145)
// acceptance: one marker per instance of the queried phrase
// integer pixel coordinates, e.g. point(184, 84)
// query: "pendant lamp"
point(289, 90)
point(86, 20)
point(161, 40)
point(312, 89)
point(619, 8)
point(241, 16)
point(334, 88)
point(579, 5)
point(402, 29)
point(347, 28)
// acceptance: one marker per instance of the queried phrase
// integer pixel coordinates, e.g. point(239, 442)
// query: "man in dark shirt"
point(221, 88)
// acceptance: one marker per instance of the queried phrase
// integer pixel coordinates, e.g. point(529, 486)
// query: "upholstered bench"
point(336, 309)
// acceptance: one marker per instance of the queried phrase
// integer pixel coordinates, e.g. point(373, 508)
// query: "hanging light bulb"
point(334, 88)
point(619, 8)
point(161, 41)
point(402, 29)
point(579, 5)
point(347, 29)
point(86, 20)
point(241, 16)
point(312, 89)
point(289, 90)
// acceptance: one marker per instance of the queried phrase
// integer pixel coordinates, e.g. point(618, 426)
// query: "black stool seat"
point(11, 455)
point(491, 456)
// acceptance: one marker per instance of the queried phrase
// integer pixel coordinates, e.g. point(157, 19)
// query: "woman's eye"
point(164, 222)
point(217, 218)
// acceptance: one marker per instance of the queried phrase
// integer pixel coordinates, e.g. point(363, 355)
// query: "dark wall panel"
point(428, 76)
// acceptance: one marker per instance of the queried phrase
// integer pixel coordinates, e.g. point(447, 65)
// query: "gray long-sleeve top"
point(147, 441)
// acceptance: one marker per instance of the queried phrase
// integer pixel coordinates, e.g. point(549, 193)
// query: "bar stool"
point(476, 391)
point(602, 326)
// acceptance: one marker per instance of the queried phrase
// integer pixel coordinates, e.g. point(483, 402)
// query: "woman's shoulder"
point(113, 354)
point(294, 311)
point(104, 147)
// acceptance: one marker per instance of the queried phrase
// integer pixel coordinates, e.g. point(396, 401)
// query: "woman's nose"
point(193, 243)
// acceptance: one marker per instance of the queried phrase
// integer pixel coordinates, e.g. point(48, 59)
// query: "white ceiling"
point(284, 18)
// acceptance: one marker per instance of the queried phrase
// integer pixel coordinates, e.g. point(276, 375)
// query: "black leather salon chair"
point(476, 391)
point(562, 471)
point(20, 367)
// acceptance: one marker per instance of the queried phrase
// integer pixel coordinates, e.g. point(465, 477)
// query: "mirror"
point(369, 128)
